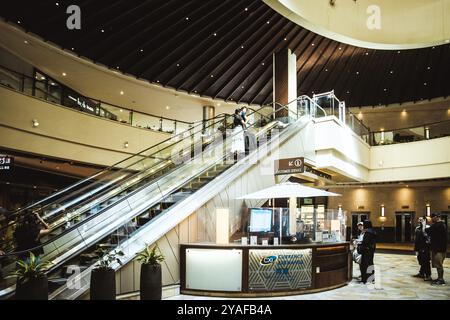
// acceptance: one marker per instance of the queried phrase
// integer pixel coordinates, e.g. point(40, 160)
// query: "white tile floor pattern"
point(397, 283)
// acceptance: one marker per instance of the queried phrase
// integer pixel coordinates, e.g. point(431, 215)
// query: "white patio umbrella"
point(289, 190)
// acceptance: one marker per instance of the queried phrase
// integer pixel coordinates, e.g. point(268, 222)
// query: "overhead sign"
point(279, 270)
point(6, 163)
point(290, 166)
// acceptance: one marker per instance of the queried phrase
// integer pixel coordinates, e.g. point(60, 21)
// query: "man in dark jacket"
point(422, 248)
point(438, 244)
point(367, 251)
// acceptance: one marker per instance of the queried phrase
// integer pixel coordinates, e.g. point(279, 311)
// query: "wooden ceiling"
point(223, 49)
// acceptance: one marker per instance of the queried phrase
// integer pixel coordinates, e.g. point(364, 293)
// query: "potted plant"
point(32, 281)
point(103, 276)
point(151, 276)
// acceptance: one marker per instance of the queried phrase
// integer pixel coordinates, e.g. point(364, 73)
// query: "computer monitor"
point(260, 220)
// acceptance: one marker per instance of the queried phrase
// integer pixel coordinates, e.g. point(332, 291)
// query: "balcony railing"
point(424, 132)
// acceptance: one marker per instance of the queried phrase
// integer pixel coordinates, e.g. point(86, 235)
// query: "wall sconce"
point(427, 133)
point(35, 123)
point(382, 210)
point(125, 145)
point(382, 136)
point(428, 208)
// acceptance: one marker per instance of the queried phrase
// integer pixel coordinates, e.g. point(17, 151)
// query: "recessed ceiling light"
point(246, 9)
point(242, 87)
point(398, 51)
point(268, 22)
point(167, 107)
point(64, 74)
point(212, 76)
point(214, 34)
point(392, 72)
point(263, 63)
point(429, 68)
point(73, 49)
point(242, 47)
point(425, 84)
point(285, 39)
point(121, 93)
point(102, 30)
point(433, 48)
point(117, 67)
point(57, 4)
point(187, 18)
point(142, 50)
point(326, 70)
point(26, 42)
point(313, 44)
point(157, 81)
point(18, 21)
point(357, 72)
point(340, 48)
point(120, 110)
point(367, 53)
point(218, 104)
point(385, 89)
point(178, 64)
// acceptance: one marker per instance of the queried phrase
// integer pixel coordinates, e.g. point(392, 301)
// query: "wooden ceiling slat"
point(312, 79)
point(247, 78)
point(240, 56)
point(204, 63)
point(365, 76)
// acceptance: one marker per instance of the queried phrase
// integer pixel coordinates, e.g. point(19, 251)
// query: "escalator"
point(111, 208)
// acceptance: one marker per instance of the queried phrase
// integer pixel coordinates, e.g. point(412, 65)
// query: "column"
point(285, 82)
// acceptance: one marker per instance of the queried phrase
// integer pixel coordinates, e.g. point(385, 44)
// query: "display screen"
point(260, 220)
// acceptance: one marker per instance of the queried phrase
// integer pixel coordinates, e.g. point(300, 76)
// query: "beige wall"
point(393, 198)
point(67, 134)
point(404, 116)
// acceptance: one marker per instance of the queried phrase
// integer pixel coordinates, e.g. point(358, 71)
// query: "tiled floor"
point(394, 282)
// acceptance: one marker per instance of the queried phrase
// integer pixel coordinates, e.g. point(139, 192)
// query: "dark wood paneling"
point(330, 278)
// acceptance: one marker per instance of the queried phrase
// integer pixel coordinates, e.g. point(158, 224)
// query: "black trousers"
point(366, 262)
point(424, 259)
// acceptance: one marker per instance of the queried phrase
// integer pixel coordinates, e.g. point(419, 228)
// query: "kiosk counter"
point(261, 271)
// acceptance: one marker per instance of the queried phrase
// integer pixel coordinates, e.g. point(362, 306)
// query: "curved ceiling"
point(223, 49)
point(384, 24)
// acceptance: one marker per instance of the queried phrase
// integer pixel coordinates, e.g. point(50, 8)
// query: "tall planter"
point(151, 282)
point(103, 284)
point(32, 288)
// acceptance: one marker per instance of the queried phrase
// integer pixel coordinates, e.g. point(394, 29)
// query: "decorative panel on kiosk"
point(279, 270)
point(227, 266)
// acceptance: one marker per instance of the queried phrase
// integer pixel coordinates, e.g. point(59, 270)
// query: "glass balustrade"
point(426, 132)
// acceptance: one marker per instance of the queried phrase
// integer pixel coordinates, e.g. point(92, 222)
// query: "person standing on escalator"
point(28, 234)
point(238, 142)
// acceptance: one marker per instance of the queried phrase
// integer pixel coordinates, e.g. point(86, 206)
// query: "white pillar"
point(292, 215)
point(222, 226)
